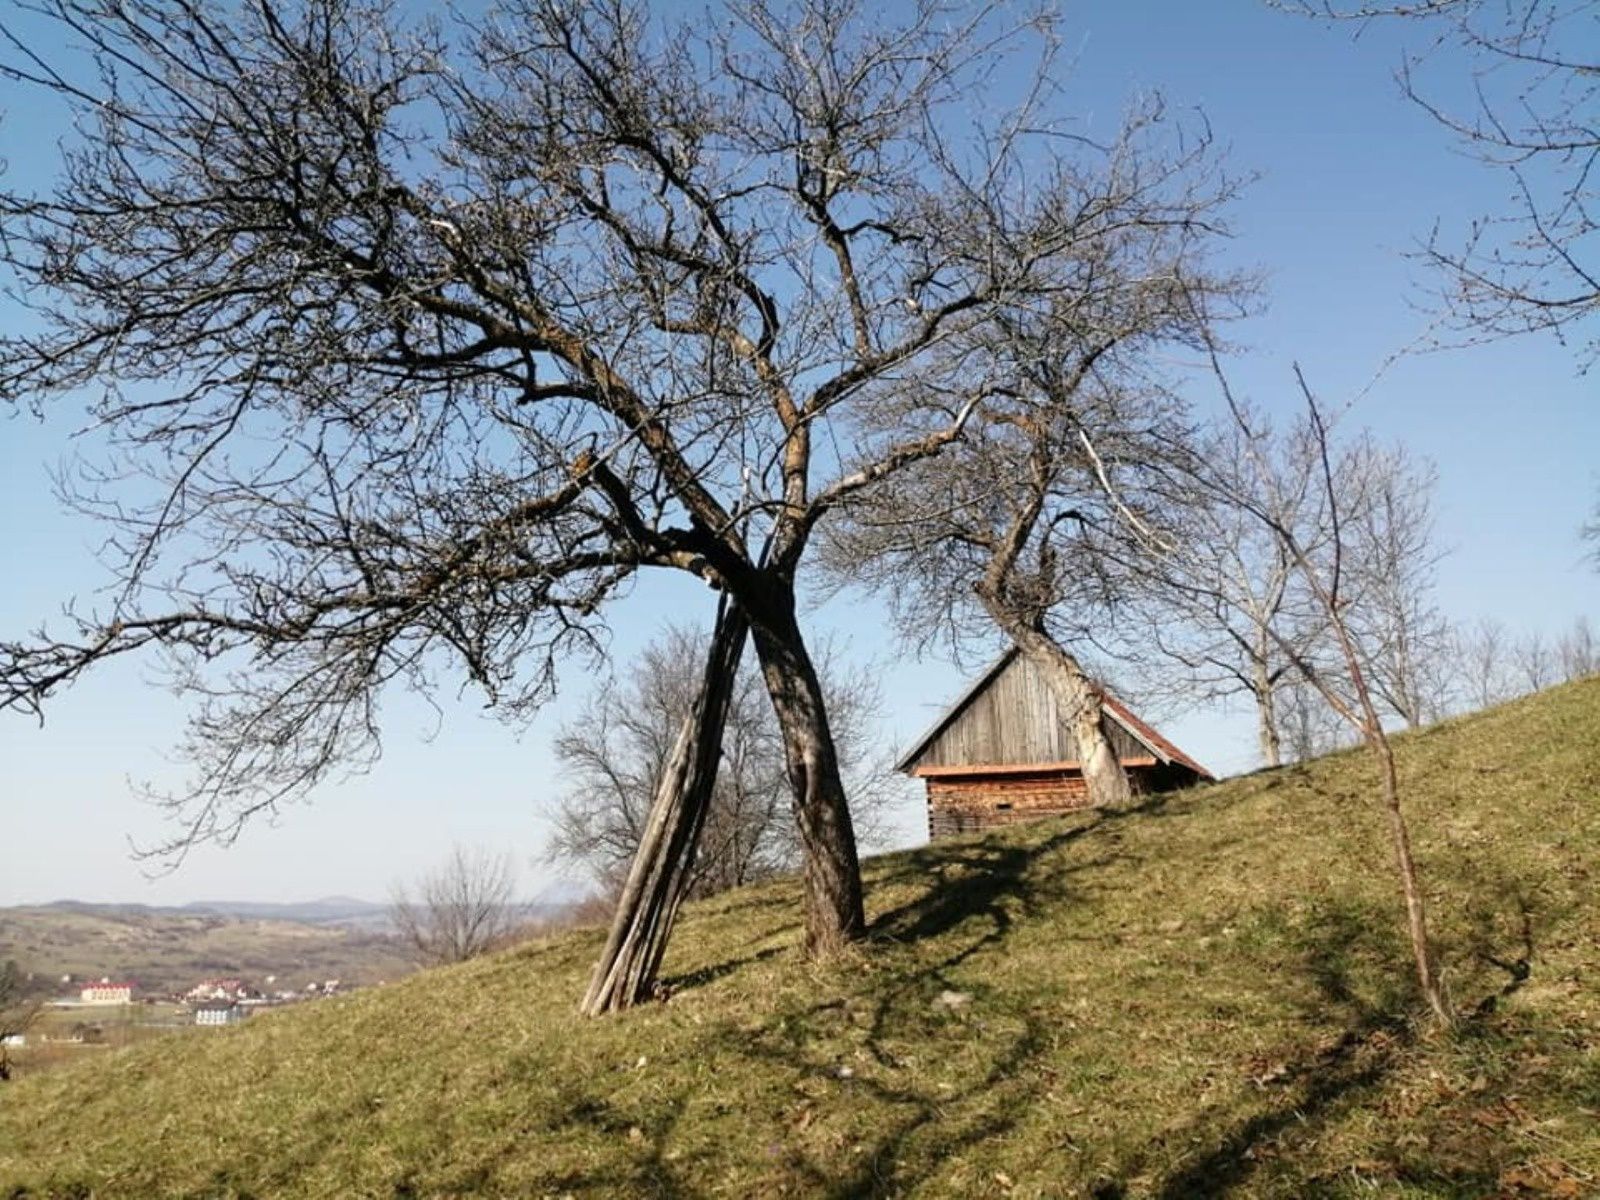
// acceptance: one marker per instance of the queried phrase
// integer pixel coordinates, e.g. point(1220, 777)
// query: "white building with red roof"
point(106, 992)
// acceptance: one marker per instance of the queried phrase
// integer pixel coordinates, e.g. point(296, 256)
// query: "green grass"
point(1207, 996)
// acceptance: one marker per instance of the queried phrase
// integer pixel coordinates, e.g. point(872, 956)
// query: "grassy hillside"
point(163, 951)
point(1207, 996)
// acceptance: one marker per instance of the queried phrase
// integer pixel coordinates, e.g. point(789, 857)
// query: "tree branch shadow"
point(702, 976)
point(1379, 1030)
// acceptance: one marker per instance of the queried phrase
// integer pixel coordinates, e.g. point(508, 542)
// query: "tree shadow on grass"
point(998, 1099)
point(715, 971)
point(1317, 1087)
point(974, 892)
point(967, 878)
point(1334, 985)
point(1358, 967)
point(963, 879)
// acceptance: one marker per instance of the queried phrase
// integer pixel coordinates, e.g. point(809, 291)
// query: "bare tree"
point(1533, 663)
point(1484, 657)
point(412, 344)
point(1236, 616)
point(1310, 725)
point(1315, 539)
point(1534, 83)
point(465, 908)
point(20, 1007)
point(1390, 565)
point(1223, 614)
point(999, 531)
point(615, 750)
point(1578, 652)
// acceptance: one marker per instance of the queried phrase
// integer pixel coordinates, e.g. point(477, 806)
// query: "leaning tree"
point(1014, 528)
point(409, 345)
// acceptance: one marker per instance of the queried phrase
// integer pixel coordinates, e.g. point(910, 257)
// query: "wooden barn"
point(1005, 753)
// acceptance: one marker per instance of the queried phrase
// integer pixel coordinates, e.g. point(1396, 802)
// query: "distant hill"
point(330, 910)
point(166, 949)
point(1208, 995)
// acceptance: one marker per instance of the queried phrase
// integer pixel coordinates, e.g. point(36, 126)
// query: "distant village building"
point(218, 1012)
point(215, 989)
point(1004, 752)
point(106, 992)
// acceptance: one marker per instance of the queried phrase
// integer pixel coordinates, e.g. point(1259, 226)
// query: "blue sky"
point(1351, 177)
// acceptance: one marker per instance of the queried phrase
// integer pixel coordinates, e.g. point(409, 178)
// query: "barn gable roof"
point(1141, 732)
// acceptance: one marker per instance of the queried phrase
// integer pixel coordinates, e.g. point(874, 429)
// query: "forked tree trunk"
point(1102, 771)
point(832, 870)
point(663, 864)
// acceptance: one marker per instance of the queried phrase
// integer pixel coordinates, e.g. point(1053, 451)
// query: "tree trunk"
point(1370, 726)
point(1267, 719)
point(1416, 910)
point(662, 868)
point(1102, 770)
point(832, 872)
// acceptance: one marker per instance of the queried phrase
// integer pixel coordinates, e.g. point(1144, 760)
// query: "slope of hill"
point(1206, 996)
point(164, 949)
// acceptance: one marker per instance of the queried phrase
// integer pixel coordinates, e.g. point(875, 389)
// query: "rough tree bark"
point(835, 915)
point(1266, 716)
point(663, 865)
point(1102, 770)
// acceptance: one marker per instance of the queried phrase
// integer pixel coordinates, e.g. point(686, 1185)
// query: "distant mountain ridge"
point(337, 911)
point(327, 910)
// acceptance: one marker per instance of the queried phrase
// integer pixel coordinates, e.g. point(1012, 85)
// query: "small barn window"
point(1002, 806)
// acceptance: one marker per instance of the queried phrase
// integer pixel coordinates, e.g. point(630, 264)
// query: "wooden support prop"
point(659, 877)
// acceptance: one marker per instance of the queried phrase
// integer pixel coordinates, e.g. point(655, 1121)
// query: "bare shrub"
point(463, 909)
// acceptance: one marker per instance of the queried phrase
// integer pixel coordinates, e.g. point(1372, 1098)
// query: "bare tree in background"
point(615, 750)
point(1391, 561)
point(1315, 539)
point(410, 344)
point(1483, 655)
point(1224, 612)
point(1577, 651)
point(465, 908)
point(1534, 68)
point(19, 1009)
point(1234, 611)
point(1310, 726)
point(1533, 663)
point(1493, 666)
point(999, 531)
